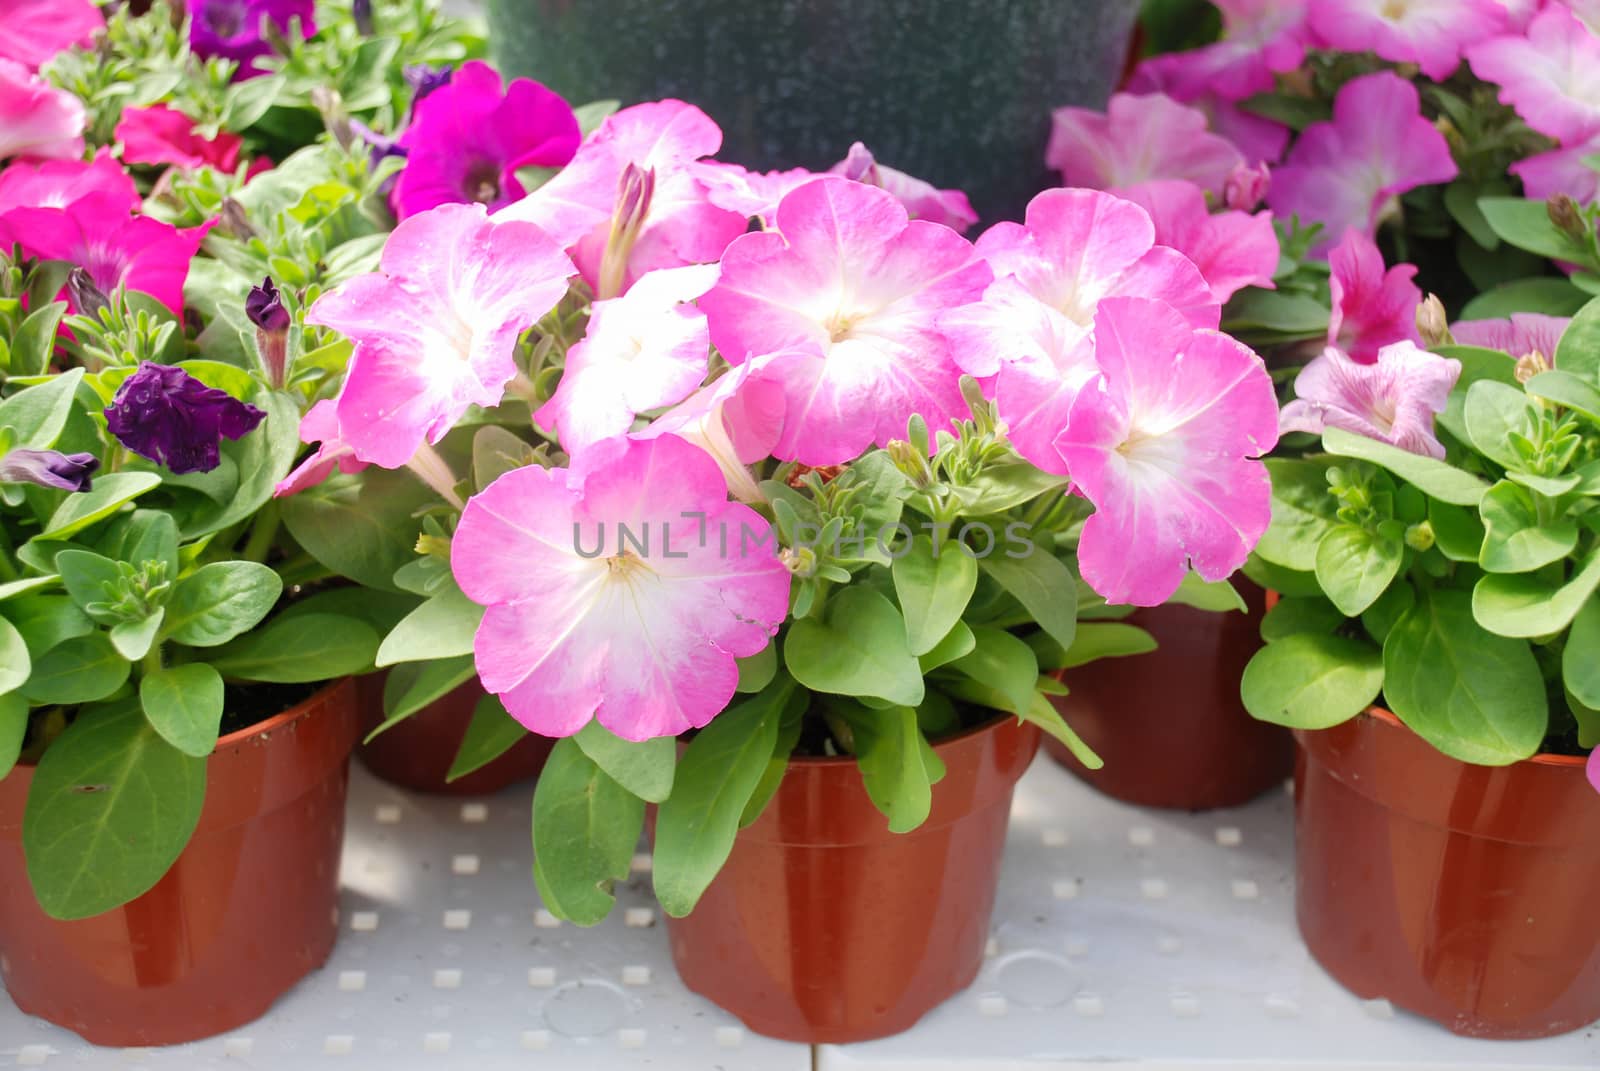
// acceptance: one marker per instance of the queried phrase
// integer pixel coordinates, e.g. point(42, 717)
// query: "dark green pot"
point(957, 92)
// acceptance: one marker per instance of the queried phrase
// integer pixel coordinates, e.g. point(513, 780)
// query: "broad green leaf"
point(957, 642)
point(1303, 510)
point(1514, 541)
point(46, 620)
point(15, 663)
point(1526, 225)
point(1473, 695)
point(1384, 614)
point(1044, 586)
point(1216, 596)
point(262, 459)
point(1043, 713)
point(1277, 312)
point(1095, 640)
point(37, 415)
point(110, 493)
point(1492, 412)
point(1533, 604)
point(1284, 581)
point(13, 730)
point(88, 577)
point(1569, 391)
point(1579, 349)
point(133, 639)
point(756, 671)
point(361, 526)
point(111, 808)
point(717, 775)
point(381, 610)
point(789, 726)
point(217, 602)
point(1312, 680)
point(1005, 485)
point(1457, 531)
point(1300, 613)
point(1355, 566)
point(1580, 659)
point(644, 768)
point(302, 649)
point(34, 345)
point(1004, 663)
point(1544, 294)
point(495, 452)
point(442, 627)
point(184, 704)
point(413, 685)
point(934, 588)
point(491, 733)
point(898, 767)
point(145, 535)
point(860, 650)
point(1435, 478)
point(81, 670)
point(585, 829)
point(12, 589)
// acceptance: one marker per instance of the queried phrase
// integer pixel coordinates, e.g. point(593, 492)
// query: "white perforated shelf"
point(1122, 936)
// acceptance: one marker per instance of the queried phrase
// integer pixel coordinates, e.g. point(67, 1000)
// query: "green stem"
point(8, 571)
point(152, 660)
point(262, 533)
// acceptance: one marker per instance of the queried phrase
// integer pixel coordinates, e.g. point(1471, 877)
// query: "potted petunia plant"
point(770, 527)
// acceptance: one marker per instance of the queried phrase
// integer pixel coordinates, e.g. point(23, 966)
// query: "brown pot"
point(249, 908)
point(1170, 723)
point(418, 753)
point(1462, 893)
point(826, 928)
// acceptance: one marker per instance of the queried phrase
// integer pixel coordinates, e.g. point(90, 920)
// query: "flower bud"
point(264, 307)
point(1420, 536)
point(1247, 187)
point(361, 10)
point(423, 80)
point(1432, 323)
point(49, 468)
point(1530, 365)
point(635, 190)
point(87, 297)
point(1567, 217)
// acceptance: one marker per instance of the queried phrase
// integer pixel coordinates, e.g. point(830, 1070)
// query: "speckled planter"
point(958, 92)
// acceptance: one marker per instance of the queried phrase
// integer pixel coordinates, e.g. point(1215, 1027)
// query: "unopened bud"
point(1247, 187)
point(800, 561)
point(86, 295)
point(233, 220)
point(1530, 365)
point(1420, 536)
point(635, 190)
point(361, 10)
point(264, 308)
point(911, 461)
point(433, 546)
point(1432, 323)
point(1567, 217)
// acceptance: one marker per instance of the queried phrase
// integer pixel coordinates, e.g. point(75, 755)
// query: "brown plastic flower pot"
point(249, 908)
point(1170, 724)
point(825, 928)
point(1462, 893)
point(418, 753)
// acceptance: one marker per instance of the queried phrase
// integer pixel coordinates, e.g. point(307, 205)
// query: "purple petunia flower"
point(265, 308)
point(165, 414)
point(49, 468)
point(232, 28)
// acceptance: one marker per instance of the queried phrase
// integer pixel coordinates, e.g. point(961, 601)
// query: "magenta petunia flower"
point(35, 30)
point(97, 234)
point(843, 300)
point(58, 183)
point(584, 622)
point(1371, 307)
point(1550, 75)
point(1345, 173)
point(1232, 249)
point(36, 119)
point(1429, 33)
point(163, 135)
point(1259, 39)
point(49, 468)
point(1138, 139)
point(922, 199)
point(320, 425)
point(468, 139)
point(642, 351)
point(1165, 444)
point(1523, 333)
point(166, 415)
point(434, 328)
point(1593, 768)
point(1393, 399)
point(231, 29)
point(1565, 170)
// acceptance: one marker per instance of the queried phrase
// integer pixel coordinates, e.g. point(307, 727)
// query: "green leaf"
point(1284, 581)
point(1533, 604)
point(46, 620)
point(1491, 413)
point(80, 670)
point(756, 671)
point(934, 587)
point(1303, 511)
point(1312, 680)
point(1043, 713)
point(898, 767)
point(1383, 615)
point(789, 727)
point(15, 664)
point(491, 733)
point(300, 649)
point(1044, 586)
point(184, 704)
point(643, 768)
point(1095, 640)
point(34, 345)
point(110, 493)
point(1544, 294)
point(1514, 541)
point(13, 730)
point(88, 577)
point(133, 639)
point(262, 459)
point(1473, 695)
point(362, 526)
point(860, 651)
point(1526, 225)
point(13, 589)
point(1215, 596)
point(1001, 662)
point(217, 602)
point(1355, 566)
point(37, 415)
point(1003, 485)
point(1461, 201)
point(442, 627)
point(1302, 613)
point(1578, 352)
point(495, 452)
point(1278, 313)
point(145, 535)
point(111, 808)
point(1457, 531)
point(1444, 482)
point(717, 775)
point(1568, 390)
point(413, 685)
point(585, 829)
point(1580, 659)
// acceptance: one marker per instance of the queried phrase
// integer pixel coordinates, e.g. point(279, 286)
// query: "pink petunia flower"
point(623, 591)
point(922, 199)
point(466, 141)
point(1593, 768)
point(1393, 400)
point(58, 183)
point(434, 328)
point(96, 233)
point(163, 135)
point(1550, 75)
point(843, 300)
point(36, 119)
point(1260, 38)
point(1028, 337)
point(1165, 444)
point(1232, 249)
point(1346, 173)
point(752, 194)
point(1563, 170)
point(1429, 33)
point(1371, 307)
point(1138, 139)
point(320, 425)
point(35, 30)
point(1259, 139)
point(642, 351)
point(662, 141)
point(736, 419)
point(1523, 333)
